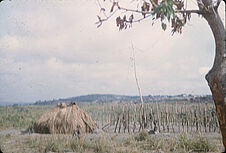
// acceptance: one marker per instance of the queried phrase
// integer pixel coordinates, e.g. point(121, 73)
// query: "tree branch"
point(190, 11)
point(207, 3)
point(217, 5)
point(106, 17)
point(136, 11)
point(147, 13)
point(138, 20)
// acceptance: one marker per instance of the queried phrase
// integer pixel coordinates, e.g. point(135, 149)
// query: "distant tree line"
point(103, 98)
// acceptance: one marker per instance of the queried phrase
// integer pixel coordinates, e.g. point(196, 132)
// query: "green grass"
point(105, 144)
point(102, 145)
point(197, 144)
point(47, 143)
point(181, 143)
point(1, 144)
point(19, 116)
point(52, 143)
point(142, 136)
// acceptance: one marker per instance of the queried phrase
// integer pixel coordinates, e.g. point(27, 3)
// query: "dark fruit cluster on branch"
point(177, 23)
point(145, 8)
point(179, 4)
point(166, 9)
point(123, 23)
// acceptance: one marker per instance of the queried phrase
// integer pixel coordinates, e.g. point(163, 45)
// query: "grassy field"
point(20, 116)
point(14, 136)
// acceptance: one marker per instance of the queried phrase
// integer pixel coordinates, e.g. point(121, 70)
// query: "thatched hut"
point(65, 119)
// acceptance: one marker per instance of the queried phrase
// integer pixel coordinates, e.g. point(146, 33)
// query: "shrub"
point(7, 136)
point(101, 146)
point(128, 141)
point(202, 144)
point(184, 142)
point(142, 136)
point(80, 145)
point(197, 144)
point(52, 146)
point(153, 143)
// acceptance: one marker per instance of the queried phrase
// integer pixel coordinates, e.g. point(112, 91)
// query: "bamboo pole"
point(137, 83)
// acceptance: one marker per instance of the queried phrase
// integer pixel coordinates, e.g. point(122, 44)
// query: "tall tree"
point(175, 12)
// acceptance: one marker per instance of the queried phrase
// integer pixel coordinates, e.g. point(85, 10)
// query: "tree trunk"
point(216, 77)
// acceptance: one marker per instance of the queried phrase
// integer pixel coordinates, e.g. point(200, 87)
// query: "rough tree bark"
point(216, 77)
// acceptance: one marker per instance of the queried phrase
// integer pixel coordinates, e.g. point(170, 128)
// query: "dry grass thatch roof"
point(64, 119)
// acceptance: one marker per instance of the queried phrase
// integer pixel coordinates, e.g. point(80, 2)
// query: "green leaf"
point(157, 9)
point(168, 13)
point(163, 26)
point(170, 2)
point(164, 11)
point(172, 11)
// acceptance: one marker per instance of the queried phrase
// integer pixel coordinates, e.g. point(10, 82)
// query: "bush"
point(101, 146)
point(202, 144)
point(53, 147)
point(142, 136)
point(197, 144)
point(128, 141)
point(80, 145)
point(184, 142)
point(153, 143)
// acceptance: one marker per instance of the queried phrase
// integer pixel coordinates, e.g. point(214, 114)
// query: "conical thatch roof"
point(64, 119)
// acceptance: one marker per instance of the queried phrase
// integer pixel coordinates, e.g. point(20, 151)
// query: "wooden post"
point(191, 120)
point(134, 119)
point(120, 122)
point(116, 123)
point(158, 120)
point(128, 122)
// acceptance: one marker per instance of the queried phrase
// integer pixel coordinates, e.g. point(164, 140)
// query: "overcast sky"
point(53, 49)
